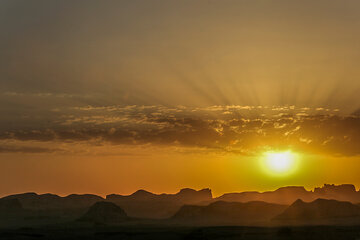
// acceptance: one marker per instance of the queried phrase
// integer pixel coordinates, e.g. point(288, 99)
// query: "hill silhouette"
point(104, 212)
point(228, 213)
point(343, 192)
point(41, 208)
point(320, 210)
point(9, 205)
point(287, 195)
point(51, 201)
point(284, 195)
point(12, 208)
point(144, 204)
point(187, 195)
point(12, 213)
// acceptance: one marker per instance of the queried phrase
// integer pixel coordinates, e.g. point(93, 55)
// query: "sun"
point(279, 163)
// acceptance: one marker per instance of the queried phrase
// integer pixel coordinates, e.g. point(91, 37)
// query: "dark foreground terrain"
point(169, 233)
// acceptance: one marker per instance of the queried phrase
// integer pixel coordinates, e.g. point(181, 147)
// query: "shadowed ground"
point(169, 233)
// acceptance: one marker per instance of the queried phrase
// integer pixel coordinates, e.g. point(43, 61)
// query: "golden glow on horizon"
point(280, 163)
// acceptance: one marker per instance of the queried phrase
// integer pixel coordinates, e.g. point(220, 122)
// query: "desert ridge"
point(326, 205)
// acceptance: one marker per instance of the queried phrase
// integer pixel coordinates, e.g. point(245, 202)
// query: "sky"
point(115, 96)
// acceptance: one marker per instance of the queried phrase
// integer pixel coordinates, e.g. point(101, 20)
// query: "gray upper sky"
point(194, 53)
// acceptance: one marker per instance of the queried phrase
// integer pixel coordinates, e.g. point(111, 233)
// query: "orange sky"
point(113, 96)
point(164, 170)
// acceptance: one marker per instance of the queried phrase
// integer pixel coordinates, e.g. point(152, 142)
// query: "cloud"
point(26, 149)
point(242, 129)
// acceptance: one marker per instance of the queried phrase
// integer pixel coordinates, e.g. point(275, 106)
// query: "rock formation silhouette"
point(232, 213)
point(51, 201)
point(104, 212)
point(287, 195)
point(187, 205)
point(320, 210)
point(143, 204)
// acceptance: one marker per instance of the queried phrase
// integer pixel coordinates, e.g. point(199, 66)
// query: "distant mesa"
point(287, 195)
point(143, 204)
point(284, 195)
point(345, 192)
point(187, 202)
point(228, 213)
point(320, 209)
point(49, 201)
point(186, 195)
point(104, 212)
point(328, 188)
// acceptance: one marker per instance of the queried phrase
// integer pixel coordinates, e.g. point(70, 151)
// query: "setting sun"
point(279, 163)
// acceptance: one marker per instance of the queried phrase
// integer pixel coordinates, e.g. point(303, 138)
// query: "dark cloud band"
point(243, 129)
